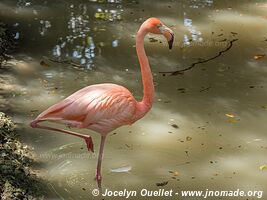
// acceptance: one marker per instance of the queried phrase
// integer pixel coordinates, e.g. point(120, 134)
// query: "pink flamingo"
point(105, 107)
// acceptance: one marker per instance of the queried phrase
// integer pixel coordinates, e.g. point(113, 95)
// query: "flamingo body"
point(101, 108)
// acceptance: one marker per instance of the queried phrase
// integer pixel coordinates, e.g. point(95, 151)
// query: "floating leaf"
point(174, 173)
point(151, 39)
point(122, 169)
point(162, 183)
point(229, 115)
point(259, 56)
point(263, 167)
point(43, 63)
point(234, 33)
point(182, 90)
point(110, 15)
point(175, 126)
point(188, 138)
point(129, 146)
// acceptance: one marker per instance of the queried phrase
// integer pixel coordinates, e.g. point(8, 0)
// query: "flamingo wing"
point(101, 107)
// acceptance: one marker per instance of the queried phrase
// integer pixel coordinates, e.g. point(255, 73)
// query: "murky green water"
point(220, 107)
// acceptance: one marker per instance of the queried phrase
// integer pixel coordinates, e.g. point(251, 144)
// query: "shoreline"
point(18, 180)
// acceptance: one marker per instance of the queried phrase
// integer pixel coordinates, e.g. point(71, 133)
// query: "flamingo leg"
point(100, 156)
point(87, 138)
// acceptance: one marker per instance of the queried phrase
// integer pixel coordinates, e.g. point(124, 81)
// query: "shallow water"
point(219, 107)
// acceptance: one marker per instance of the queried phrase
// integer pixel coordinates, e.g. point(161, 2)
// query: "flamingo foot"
point(98, 179)
point(89, 143)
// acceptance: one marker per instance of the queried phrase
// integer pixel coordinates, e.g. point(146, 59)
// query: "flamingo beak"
point(170, 42)
point(168, 34)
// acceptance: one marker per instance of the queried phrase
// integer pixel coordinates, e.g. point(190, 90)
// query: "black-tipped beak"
point(170, 42)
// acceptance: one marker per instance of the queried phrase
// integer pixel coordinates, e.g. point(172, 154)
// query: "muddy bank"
point(17, 178)
point(7, 42)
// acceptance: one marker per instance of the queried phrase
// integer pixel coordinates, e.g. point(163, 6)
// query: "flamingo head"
point(154, 25)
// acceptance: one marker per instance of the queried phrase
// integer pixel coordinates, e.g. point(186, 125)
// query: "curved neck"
point(147, 78)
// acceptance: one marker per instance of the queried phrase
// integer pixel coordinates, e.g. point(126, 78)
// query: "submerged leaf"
point(232, 121)
point(263, 167)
